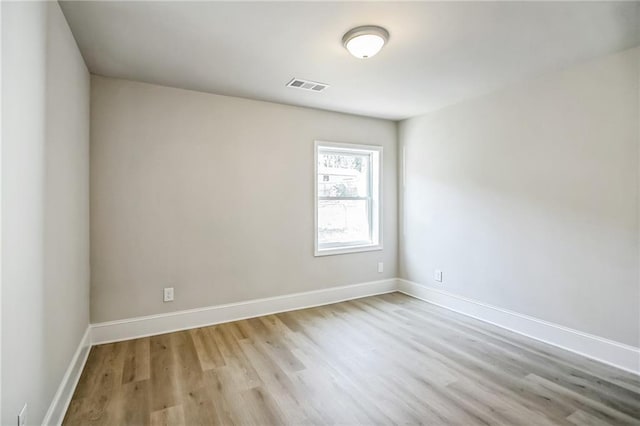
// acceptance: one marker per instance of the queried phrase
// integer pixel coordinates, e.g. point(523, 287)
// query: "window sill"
point(347, 250)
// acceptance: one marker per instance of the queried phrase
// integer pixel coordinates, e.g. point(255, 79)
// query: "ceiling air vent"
point(313, 86)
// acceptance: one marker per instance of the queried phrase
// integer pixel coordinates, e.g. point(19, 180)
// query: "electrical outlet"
point(437, 275)
point(380, 267)
point(168, 294)
point(22, 416)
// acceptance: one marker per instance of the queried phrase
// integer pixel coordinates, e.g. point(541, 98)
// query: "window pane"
point(343, 221)
point(343, 174)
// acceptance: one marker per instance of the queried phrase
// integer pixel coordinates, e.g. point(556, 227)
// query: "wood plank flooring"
point(387, 359)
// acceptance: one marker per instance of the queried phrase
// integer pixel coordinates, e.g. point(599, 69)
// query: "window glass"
point(347, 198)
point(343, 175)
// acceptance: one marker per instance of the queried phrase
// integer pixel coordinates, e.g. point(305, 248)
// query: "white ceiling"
point(439, 52)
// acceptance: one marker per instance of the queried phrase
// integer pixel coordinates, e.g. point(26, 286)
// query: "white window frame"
point(375, 200)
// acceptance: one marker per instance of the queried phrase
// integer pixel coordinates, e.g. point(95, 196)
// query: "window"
point(348, 198)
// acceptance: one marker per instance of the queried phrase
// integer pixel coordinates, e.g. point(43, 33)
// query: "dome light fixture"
point(366, 41)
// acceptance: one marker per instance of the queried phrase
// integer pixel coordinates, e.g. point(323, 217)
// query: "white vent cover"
point(313, 86)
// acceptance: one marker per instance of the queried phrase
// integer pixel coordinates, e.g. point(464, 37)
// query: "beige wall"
point(213, 195)
point(526, 199)
point(45, 205)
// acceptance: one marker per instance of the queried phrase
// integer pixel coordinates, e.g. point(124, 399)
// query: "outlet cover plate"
point(168, 294)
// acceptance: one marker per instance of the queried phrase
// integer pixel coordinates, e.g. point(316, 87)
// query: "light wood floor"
point(379, 360)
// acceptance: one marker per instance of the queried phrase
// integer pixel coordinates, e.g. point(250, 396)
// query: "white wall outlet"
point(437, 275)
point(380, 266)
point(22, 416)
point(168, 294)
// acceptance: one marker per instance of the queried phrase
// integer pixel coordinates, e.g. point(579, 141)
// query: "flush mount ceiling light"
point(364, 42)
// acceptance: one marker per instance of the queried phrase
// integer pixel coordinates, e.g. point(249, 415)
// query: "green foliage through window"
point(342, 161)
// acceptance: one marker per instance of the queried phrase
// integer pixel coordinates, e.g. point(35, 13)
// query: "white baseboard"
point(62, 398)
point(131, 328)
point(607, 351)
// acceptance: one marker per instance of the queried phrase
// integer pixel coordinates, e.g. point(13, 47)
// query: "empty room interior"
point(320, 213)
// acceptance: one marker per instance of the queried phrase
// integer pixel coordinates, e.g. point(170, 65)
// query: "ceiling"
point(439, 53)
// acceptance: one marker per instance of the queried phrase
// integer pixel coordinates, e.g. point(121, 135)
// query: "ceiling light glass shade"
point(365, 42)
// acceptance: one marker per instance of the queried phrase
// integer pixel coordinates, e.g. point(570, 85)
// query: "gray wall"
point(45, 205)
point(213, 195)
point(526, 199)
